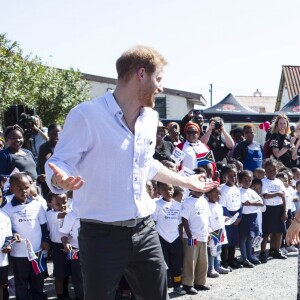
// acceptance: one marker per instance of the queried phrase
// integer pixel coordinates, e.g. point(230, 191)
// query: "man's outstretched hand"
point(62, 180)
point(198, 183)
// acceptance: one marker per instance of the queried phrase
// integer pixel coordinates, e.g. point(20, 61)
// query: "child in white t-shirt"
point(232, 204)
point(290, 197)
point(69, 237)
point(28, 221)
point(249, 226)
point(167, 217)
point(57, 204)
point(195, 219)
point(218, 233)
point(273, 192)
point(5, 237)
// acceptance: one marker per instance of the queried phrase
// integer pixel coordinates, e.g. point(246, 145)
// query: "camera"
point(27, 123)
point(218, 125)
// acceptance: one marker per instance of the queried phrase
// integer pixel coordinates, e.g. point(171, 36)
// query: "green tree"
point(26, 80)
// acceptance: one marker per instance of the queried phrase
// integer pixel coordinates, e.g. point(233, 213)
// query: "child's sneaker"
point(283, 250)
point(222, 270)
point(291, 248)
point(212, 274)
point(179, 291)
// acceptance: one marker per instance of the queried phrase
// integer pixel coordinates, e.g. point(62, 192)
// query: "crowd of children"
point(29, 232)
point(198, 232)
point(248, 210)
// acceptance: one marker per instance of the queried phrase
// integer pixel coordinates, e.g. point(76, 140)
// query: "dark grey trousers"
point(107, 252)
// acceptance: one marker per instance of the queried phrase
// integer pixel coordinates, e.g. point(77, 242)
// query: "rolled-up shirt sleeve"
point(155, 166)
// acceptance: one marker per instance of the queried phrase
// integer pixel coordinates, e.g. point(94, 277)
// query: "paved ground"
point(275, 280)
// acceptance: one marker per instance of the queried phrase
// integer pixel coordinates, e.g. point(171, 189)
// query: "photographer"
point(218, 139)
point(33, 133)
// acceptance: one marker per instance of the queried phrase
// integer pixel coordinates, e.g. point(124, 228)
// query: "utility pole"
point(210, 91)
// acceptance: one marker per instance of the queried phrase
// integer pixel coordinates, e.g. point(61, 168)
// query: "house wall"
point(99, 89)
point(176, 107)
point(285, 97)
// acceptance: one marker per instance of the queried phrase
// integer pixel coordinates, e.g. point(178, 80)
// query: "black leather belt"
point(126, 223)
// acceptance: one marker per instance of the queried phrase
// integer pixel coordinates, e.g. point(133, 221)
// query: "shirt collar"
point(15, 202)
point(114, 108)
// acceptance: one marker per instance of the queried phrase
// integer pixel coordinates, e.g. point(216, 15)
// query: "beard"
point(147, 97)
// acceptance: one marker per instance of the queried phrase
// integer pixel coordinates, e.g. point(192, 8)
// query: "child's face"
point(179, 197)
point(246, 182)
point(166, 191)
point(231, 177)
point(290, 177)
point(59, 202)
point(296, 174)
point(214, 195)
point(257, 188)
point(21, 188)
point(285, 180)
point(259, 174)
point(271, 171)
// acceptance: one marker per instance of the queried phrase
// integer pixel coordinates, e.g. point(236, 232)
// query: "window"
point(160, 107)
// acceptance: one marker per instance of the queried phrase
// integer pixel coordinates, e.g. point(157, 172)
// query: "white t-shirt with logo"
point(230, 197)
point(70, 228)
point(290, 194)
point(272, 186)
point(26, 220)
point(216, 219)
point(167, 216)
point(5, 231)
point(197, 212)
point(54, 224)
point(252, 197)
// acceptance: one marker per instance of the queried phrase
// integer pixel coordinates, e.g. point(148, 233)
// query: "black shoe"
point(278, 255)
point(189, 290)
point(235, 265)
point(201, 287)
point(263, 257)
point(255, 261)
point(271, 252)
point(248, 264)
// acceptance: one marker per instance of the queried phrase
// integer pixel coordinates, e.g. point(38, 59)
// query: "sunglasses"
point(191, 132)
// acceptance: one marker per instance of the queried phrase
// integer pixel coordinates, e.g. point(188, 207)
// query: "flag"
point(39, 264)
point(192, 242)
point(72, 254)
point(217, 236)
point(204, 158)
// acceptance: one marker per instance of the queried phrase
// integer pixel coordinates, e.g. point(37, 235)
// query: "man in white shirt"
point(108, 167)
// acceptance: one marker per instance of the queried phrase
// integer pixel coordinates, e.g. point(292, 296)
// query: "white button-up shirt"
point(114, 163)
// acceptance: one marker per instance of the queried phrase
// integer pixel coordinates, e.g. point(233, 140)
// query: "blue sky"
point(238, 46)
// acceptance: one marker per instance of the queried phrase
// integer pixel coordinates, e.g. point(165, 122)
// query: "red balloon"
point(267, 128)
point(261, 126)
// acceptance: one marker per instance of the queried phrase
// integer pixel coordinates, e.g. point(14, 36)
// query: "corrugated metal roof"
point(292, 79)
point(289, 81)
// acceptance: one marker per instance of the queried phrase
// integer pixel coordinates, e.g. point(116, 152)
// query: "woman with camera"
point(218, 139)
point(14, 156)
point(280, 142)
